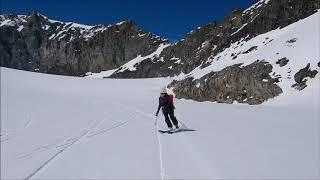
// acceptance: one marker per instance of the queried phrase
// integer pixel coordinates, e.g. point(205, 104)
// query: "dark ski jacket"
point(165, 104)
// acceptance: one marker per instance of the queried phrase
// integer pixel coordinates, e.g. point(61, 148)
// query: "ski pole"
point(156, 121)
point(182, 123)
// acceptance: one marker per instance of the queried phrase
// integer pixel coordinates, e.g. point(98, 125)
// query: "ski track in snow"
point(10, 135)
point(163, 174)
point(190, 152)
point(27, 124)
point(54, 156)
point(161, 148)
point(162, 170)
point(107, 129)
point(89, 133)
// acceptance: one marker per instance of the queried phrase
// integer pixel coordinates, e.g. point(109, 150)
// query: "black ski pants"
point(172, 117)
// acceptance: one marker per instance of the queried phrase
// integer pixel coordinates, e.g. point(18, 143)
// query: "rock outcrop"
point(301, 75)
point(250, 84)
point(282, 62)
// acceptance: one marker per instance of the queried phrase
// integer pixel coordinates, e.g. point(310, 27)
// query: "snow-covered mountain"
point(57, 127)
point(207, 41)
point(252, 71)
point(252, 56)
point(35, 43)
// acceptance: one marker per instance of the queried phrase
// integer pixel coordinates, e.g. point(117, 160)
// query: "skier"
point(166, 102)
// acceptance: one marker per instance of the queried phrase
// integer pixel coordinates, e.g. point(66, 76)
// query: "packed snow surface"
point(56, 127)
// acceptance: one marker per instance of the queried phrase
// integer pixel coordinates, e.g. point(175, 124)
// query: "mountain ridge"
point(67, 48)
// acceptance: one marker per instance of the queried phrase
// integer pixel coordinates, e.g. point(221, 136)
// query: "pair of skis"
point(172, 131)
point(175, 130)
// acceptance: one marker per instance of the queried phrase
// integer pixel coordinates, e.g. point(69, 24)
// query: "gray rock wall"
point(250, 84)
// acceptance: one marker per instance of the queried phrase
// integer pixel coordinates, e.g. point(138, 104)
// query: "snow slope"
point(56, 127)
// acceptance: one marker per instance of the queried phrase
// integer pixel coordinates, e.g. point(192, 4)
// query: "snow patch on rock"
point(131, 65)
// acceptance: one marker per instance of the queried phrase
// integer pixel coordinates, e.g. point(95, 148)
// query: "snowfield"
point(56, 127)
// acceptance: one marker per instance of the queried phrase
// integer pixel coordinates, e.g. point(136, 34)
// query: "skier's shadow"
point(184, 130)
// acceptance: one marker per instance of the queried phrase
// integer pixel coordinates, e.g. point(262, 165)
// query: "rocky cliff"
point(35, 43)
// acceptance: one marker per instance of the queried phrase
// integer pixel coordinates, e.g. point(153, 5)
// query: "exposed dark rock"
point(319, 64)
point(253, 48)
point(250, 84)
point(293, 40)
point(300, 76)
point(250, 49)
point(301, 85)
point(305, 72)
point(282, 62)
point(267, 41)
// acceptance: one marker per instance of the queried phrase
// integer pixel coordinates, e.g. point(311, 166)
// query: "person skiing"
point(166, 103)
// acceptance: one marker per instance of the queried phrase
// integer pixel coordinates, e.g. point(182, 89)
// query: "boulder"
point(282, 62)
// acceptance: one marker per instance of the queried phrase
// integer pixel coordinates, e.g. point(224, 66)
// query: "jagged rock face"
point(183, 56)
point(272, 14)
point(250, 84)
point(35, 43)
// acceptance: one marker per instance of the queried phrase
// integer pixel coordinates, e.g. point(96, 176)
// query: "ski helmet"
point(163, 91)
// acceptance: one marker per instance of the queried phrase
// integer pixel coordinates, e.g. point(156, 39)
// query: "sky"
point(171, 19)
